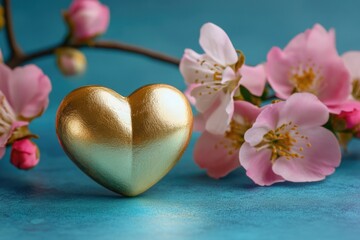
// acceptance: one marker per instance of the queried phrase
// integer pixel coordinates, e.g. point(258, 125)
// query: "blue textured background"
point(57, 201)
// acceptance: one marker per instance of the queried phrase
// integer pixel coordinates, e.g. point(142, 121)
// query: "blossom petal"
point(220, 118)
point(347, 106)
point(244, 113)
point(212, 156)
point(321, 41)
point(277, 71)
point(255, 135)
point(187, 93)
point(258, 165)
point(352, 62)
point(217, 44)
point(247, 111)
point(199, 123)
point(267, 120)
point(253, 78)
point(350, 112)
point(193, 70)
point(204, 99)
point(304, 109)
point(200, 119)
point(269, 116)
point(316, 40)
point(319, 160)
point(29, 91)
point(228, 75)
point(337, 87)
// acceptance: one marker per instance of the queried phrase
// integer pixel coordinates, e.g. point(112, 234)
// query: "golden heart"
point(127, 144)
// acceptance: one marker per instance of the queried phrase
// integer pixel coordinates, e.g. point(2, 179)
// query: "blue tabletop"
point(57, 201)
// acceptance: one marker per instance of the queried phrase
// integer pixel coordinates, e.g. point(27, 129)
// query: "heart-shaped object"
point(127, 144)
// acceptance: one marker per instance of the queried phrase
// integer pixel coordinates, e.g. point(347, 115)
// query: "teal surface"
point(57, 201)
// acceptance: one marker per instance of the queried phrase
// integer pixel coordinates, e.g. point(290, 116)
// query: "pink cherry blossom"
point(8, 123)
point(352, 62)
point(217, 75)
point(24, 154)
point(310, 63)
point(88, 19)
point(287, 143)
point(24, 95)
point(26, 89)
point(219, 154)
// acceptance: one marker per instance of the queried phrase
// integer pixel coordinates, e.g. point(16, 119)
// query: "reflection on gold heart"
point(127, 144)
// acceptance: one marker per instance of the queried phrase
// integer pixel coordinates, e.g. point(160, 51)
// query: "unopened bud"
point(70, 61)
point(25, 154)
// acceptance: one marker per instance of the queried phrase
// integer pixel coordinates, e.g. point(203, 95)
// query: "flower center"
point(356, 89)
point(7, 115)
point(212, 78)
point(305, 78)
point(283, 142)
point(234, 136)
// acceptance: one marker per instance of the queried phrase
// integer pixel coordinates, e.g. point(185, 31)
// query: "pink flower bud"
point(24, 154)
point(87, 19)
point(352, 121)
point(70, 61)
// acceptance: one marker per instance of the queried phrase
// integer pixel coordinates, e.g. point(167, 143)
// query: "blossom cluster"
point(296, 137)
point(24, 96)
point(24, 91)
point(86, 20)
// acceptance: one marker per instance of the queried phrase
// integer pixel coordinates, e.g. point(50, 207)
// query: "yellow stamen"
point(235, 136)
point(356, 89)
point(281, 142)
point(304, 81)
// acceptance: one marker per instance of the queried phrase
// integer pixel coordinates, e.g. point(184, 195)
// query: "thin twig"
point(14, 47)
point(17, 57)
point(98, 44)
point(136, 50)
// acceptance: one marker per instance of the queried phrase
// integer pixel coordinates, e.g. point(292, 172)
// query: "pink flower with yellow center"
point(24, 95)
point(215, 77)
point(8, 123)
point(310, 63)
point(219, 154)
point(288, 143)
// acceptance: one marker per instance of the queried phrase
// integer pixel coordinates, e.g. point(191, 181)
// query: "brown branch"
point(15, 49)
point(136, 50)
point(17, 57)
point(13, 62)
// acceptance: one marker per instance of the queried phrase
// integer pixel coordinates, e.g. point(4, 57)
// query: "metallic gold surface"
point(125, 144)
